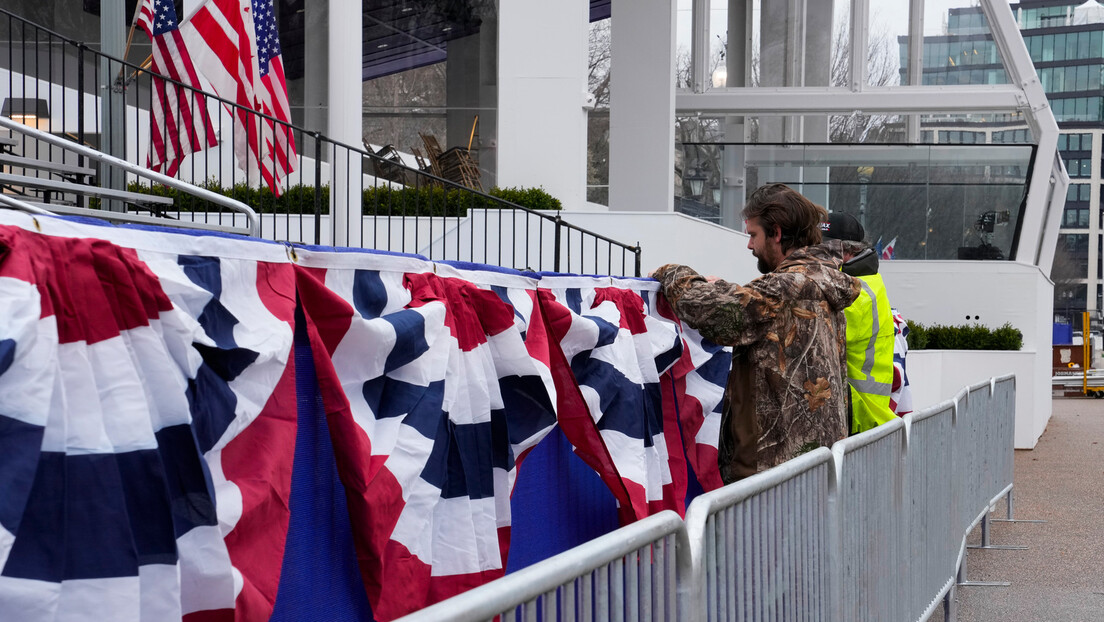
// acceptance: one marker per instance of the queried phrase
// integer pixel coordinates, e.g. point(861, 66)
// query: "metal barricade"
point(873, 529)
point(1000, 433)
point(759, 549)
point(932, 518)
point(626, 575)
point(872, 564)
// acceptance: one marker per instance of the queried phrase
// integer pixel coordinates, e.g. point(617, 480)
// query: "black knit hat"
point(842, 226)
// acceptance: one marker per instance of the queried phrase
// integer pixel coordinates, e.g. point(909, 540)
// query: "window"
point(1078, 192)
point(1075, 247)
point(1079, 167)
point(1075, 217)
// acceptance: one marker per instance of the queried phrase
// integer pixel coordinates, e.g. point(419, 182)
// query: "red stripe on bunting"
point(573, 414)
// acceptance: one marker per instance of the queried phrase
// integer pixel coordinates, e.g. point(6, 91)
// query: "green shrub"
point(533, 198)
point(917, 336)
point(965, 337)
point(378, 200)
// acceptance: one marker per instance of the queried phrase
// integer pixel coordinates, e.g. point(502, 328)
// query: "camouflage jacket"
point(787, 391)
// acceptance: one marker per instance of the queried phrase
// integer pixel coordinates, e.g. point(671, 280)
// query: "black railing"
point(402, 208)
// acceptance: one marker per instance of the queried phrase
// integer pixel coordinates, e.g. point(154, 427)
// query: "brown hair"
point(779, 207)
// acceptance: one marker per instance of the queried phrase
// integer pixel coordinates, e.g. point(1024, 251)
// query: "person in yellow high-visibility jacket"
point(870, 334)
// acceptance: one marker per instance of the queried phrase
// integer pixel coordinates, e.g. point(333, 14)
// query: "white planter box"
point(937, 375)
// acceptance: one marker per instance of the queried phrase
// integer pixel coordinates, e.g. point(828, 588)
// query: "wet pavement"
point(1060, 577)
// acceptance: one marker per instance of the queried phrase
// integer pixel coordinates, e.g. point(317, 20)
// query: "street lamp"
point(720, 77)
point(865, 173)
point(696, 180)
point(26, 110)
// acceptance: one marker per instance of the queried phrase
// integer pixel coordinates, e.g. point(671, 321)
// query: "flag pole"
point(130, 39)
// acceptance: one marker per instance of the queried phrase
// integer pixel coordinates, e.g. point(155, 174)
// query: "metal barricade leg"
point(962, 580)
point(1011, 517)
point(985, 539)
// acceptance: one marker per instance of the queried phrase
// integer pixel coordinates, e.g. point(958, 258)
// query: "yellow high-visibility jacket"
point(870, 339)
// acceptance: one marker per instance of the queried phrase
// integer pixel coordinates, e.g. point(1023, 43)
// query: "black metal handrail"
point(404, 209)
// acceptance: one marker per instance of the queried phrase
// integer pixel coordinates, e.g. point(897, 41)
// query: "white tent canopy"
point(1089, 13)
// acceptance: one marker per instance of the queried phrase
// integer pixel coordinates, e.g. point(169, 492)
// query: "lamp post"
point(865, 173)
point(26, 110)
point(696, 181)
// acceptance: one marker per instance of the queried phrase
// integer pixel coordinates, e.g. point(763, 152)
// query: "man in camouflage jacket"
point(787, 391)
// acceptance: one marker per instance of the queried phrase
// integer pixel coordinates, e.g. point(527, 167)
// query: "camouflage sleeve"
point(724, 313)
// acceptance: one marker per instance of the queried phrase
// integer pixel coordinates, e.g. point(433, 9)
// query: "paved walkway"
point(1060, 577)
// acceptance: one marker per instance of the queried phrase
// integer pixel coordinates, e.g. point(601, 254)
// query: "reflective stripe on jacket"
point(870, 355)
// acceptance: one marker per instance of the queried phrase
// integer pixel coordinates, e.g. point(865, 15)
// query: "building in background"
point(1066, 44)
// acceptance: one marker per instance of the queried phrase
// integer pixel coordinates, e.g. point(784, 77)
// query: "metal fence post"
point(317, 187)
point(80, 98)
point(636, 251)
point(556, 246)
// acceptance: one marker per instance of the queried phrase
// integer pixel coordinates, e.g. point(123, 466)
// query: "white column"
point(345, 121)
point(113, 102)
point(542, 91)
point(642, 106)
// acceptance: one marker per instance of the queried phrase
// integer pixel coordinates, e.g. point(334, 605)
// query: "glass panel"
point(598, 83)
point(965, 53)
point(684, 42)
point(938, 202)
point(718, 44)
point(422, 66)
point(888, 29)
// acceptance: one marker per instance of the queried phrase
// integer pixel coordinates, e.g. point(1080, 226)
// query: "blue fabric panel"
point(7, 354)
point(528, 405)
point(71, 527)
point(205, 272)
point(461, 463)
point(97, 543)
point(558, 503)
point(148, 506)
point(369, 294)
point(421, 405)
point(39, 548)
point(410, 342)
point(319, 579)
point(19, 451)
point(212, 405)
point(187, 478)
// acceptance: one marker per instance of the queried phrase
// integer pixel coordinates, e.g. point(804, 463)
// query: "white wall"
point(989, 293)
point(675, 238)
point(937, 375)
point(542, 87)
point(642, 106)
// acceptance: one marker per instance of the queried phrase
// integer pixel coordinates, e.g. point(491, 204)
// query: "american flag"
point(179, 123)
point(890, 250)
point(219, 37)
point(900, 398)
point(278, 156)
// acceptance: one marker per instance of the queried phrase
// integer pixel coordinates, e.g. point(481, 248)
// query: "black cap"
point(842, 226)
